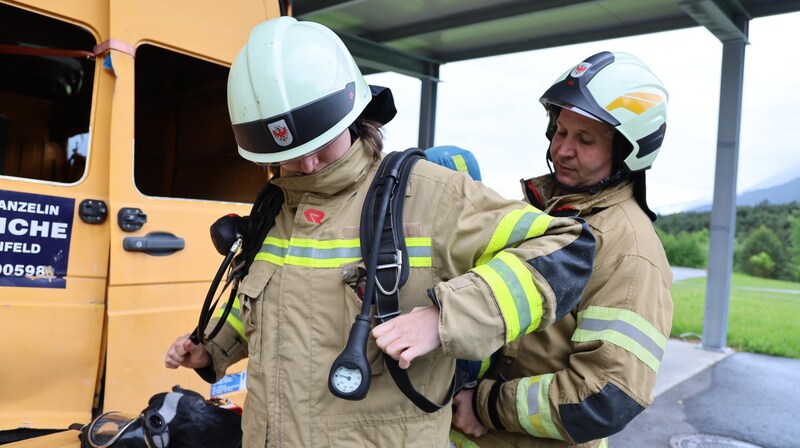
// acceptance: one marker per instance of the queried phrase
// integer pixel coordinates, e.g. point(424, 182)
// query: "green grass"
point(761, 321)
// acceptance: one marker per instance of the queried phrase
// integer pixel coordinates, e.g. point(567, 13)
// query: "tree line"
point(766, 241)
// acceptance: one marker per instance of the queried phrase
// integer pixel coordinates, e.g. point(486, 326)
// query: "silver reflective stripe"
point(274, 250)
point(322, 254)
point(522, 228)
point(533, 399)
point(625, 328)
point(419, 251)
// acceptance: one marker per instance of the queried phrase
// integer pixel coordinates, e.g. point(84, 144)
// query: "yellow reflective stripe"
point(272, 258)
point(276, 242)
point(312, 253)
point(458, 440)
point(418, 241)
point(419, 251)
point(273, 250)
point(234, 318)
point(461, 164)
point(623, 328)
point(517, 226)
point(533, 406)
point(420, 262)
point(512, 285)
point(485, 364)
point(603, 443)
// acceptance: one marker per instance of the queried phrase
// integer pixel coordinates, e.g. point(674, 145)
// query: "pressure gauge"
point(346, 380)
point(350, 373)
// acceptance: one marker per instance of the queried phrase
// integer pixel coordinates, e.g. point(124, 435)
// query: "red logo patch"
point(313, 215)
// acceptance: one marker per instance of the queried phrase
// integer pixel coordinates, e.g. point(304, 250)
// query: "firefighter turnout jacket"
point(585, 377)
point(499, 270)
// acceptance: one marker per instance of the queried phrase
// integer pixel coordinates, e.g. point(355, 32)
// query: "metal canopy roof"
point(414, 37)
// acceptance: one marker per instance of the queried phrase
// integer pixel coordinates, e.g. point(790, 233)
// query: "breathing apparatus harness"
point(228, 234)
point(383, 249)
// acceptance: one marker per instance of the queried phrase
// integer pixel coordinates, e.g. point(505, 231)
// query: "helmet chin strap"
point(608, 181)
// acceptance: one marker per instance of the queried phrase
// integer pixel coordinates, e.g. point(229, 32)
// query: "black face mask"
point(178, 419)
point(114, 429)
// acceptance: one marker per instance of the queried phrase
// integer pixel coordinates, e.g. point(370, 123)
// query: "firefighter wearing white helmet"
point(283, 109)
point(299, 104)
point(584, 378)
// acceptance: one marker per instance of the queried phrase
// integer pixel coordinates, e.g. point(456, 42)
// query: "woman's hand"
point(409, 336)
point(184, 352)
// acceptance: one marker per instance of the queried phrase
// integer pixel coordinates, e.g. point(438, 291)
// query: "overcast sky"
point(490, 106)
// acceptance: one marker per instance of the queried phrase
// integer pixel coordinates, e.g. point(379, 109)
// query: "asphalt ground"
point(735, 396)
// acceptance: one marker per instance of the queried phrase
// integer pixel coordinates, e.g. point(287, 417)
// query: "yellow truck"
point(116, 155)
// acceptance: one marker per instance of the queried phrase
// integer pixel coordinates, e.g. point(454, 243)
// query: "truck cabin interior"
point(184, 146)
point(45, 100)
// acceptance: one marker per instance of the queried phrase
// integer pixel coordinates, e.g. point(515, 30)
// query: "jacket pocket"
point(352, 276)
point(252, 294)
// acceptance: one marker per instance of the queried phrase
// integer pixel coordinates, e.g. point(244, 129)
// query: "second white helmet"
point(292, 89)
point(618, 89)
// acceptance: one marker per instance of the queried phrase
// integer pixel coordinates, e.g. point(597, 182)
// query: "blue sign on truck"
point(35, 233)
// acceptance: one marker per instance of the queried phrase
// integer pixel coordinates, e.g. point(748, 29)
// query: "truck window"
point(184, 146)
point(45, 99)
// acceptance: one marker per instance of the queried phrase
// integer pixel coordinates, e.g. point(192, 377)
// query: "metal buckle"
point(384, 317)
point(398, 264)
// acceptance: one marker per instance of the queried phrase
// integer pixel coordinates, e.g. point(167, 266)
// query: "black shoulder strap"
point(392, 270)
point(262, 217)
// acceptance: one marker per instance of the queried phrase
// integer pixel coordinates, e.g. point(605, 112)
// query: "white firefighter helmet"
point(618, 89)
point(292, 89)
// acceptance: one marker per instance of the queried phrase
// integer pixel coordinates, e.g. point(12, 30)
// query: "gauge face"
point(346, 380)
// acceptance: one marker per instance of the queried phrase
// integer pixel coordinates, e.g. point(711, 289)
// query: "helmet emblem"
point(280, 133)
point(314, 216)
point(580, 69)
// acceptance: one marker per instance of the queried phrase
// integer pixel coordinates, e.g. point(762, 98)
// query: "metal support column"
point(723, 211)
point(427, 109)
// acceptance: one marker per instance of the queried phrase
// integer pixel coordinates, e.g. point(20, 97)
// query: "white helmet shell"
point(292, 89)
point(618, 89)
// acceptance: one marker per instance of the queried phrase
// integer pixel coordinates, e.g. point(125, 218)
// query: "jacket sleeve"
point(621, 333)
point(509, 268)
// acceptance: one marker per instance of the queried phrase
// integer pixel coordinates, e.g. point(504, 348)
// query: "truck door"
point(174, 169)
point(54, 106)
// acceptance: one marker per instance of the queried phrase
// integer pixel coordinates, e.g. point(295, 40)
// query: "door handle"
point(154, 243)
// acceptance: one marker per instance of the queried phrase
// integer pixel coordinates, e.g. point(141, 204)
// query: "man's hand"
point(463, 416)
point(409, 336)
point(184, 352)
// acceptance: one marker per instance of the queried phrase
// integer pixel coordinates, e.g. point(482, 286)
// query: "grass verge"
point(763, 314)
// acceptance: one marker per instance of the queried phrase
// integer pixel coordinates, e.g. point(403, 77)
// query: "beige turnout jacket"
point(585, 377)
point(298, 302)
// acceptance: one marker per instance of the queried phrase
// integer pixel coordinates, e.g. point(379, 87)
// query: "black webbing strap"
point(392, 263)
point(256, 226)
point(262, 217)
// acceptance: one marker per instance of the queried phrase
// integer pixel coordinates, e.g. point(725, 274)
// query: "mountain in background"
point(778, 194)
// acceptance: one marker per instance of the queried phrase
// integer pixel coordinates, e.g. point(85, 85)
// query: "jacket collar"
point(342, 176)
point(544, 194)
